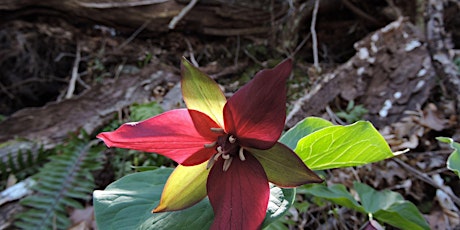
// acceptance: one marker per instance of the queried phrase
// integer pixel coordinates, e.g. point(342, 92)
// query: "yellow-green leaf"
point(202, 93)
point(185, 187)
point(343, 146)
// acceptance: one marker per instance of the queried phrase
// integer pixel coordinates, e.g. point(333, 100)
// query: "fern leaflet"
point(61, 183)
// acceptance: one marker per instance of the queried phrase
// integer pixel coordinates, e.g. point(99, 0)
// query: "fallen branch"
point(50, 125)
point(390, 73)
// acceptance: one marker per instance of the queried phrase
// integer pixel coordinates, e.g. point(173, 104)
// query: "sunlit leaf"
point(343, 146)
point(302, 129)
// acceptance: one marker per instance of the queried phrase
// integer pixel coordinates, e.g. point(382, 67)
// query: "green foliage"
point(386, 206)
point(302, 129)
point(457, 63)
point(23, 163)
point(342, 146)
point(352, 113)
point(61, 183)
point(453, 162)
point(141, 112)
point(125, 161)
point(145, 60)
point(128, 202)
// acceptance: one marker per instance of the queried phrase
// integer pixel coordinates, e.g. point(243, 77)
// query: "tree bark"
point(390, 73)
point(210, 17)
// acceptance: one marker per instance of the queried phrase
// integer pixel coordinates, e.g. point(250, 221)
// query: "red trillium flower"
point(227, 150)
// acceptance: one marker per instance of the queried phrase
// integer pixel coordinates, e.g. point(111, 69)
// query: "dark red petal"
point(256, 113)
point(172, 134)
point(239, 196)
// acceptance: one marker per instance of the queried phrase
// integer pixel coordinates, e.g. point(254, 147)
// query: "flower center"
point(227, 148)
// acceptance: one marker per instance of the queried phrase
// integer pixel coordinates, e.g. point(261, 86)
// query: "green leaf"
point(302, 129)
point(453, 162)
point(141, 112)
point(385, 206)
point(390, 207)
point(343, 146)
point(127, 204)
point(404, 215)
point(336, 193)
point(373, 200)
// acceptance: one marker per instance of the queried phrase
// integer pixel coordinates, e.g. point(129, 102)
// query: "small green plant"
point(65, 181)
point(453, 162)
point(457, 63)
point(352, 113)
point(139, 112)
point(385, 206)
point(125, 161)
point(145, 59)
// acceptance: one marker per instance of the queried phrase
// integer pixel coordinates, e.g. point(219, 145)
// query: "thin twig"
point(5, 90)
point(134, 35)
point(334, 117)
point(181, 14)
point(360, 13)
point(301, 44)
point(395, 8)
point(314, 38)
point(74, 76)
point(237, 51)
point(427, 179)
point(190, 51)
point(120, 4)
point(254, 59)
point(83, 83)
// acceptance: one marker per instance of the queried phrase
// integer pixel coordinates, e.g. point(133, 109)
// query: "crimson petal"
point(172, 134)
point(239, 196)
point(255, 114)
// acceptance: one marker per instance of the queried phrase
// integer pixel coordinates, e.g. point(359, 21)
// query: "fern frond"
point(63, 182)
point(21, 159)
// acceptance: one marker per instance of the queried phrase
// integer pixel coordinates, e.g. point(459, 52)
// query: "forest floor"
point(38, 56)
